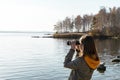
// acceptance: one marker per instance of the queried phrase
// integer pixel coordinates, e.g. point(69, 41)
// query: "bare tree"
point(78, 23)
point(87, 21)
point(67, 24)
point(58, 27)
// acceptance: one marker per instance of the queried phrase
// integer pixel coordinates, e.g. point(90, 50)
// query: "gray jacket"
point(80, 69)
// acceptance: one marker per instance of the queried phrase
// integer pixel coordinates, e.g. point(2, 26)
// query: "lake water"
point(25, 58)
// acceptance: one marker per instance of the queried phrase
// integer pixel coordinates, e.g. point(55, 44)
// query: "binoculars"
point(76, 42)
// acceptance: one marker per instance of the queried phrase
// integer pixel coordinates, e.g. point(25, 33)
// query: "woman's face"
point(80, 47)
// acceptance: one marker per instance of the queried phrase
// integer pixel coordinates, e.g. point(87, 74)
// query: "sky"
point(42, 15)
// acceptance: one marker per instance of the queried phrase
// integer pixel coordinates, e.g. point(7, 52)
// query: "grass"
point(67, 35)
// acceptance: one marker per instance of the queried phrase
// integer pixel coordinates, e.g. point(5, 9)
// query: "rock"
point(117, 59)
point(101, 68)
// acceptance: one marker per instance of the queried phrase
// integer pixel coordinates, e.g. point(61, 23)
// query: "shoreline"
point(75, 35)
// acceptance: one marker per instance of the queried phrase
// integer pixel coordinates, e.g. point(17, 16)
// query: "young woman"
point(86, 61)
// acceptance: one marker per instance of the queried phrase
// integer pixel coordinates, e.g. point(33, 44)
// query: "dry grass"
point(68, 35)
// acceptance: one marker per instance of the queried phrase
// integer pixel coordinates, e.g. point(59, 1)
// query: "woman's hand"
point(73, 45)
point(79, 48)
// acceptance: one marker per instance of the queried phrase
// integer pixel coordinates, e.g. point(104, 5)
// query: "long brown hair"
point(89, 46)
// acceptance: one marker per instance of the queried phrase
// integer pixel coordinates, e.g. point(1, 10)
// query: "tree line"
point(105, 22)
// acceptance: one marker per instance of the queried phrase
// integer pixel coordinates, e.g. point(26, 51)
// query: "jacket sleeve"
point(68, 63)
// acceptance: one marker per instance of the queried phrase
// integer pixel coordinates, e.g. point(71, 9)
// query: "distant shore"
point(68, 35)
point(75, 35)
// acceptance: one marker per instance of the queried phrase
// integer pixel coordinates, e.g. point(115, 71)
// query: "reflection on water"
point(108, 49)
point(111, 46)
point(26, 58)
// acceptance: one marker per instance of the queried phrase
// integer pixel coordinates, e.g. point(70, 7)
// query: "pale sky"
point(42, 15)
